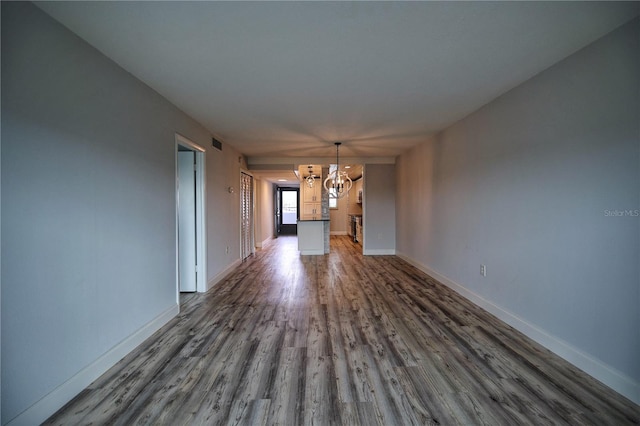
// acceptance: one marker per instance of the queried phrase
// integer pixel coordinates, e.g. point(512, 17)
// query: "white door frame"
point(201, 231)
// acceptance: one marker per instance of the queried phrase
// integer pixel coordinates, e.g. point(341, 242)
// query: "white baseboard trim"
point(378, 252)
point(312, 252)
point(608, 375)
point(265, 243)
point(338, 233)
point(52, 402)
point(215, 280)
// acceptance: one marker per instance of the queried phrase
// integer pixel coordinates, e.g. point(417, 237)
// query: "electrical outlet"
point(227, 250)
point(483, 270)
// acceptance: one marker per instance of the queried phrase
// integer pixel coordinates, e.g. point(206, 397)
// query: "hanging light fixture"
point(338, 183)
point(311, 179)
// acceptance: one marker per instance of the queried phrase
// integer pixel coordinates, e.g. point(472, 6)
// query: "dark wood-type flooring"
point(340, 339)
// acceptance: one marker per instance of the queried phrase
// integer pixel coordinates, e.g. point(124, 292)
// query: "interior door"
point(186, 221)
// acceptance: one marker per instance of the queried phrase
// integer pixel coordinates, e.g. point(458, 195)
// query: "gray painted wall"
point(523, 186)
point(379, 209)
point(88, 205)
point(265, 218)
point(223, 210)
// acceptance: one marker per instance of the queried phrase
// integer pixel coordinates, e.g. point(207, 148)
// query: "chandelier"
point(338, 183)
point(311, 179)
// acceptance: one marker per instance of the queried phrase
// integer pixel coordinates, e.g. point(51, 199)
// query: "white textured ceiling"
point(287, 79)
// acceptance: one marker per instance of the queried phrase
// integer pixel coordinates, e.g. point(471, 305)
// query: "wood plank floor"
point(340, 339)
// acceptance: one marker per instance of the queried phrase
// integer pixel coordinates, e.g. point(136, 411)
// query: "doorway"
point(289, 199)
point(190, 214)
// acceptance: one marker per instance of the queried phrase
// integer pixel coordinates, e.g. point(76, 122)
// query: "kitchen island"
point(312, 235)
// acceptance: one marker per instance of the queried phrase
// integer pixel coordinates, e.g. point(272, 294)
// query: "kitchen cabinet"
point(311, 202)
point(313, 194)
point(311, 211)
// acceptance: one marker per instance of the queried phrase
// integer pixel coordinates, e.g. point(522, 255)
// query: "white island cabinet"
point(311, 236)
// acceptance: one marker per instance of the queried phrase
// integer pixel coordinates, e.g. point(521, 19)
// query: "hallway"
point(340, 339)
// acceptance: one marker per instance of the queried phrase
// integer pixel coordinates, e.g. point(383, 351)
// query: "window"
point(289, 207)
point(333, 201)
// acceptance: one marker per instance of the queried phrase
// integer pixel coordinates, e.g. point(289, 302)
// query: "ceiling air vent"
point(216, 144)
